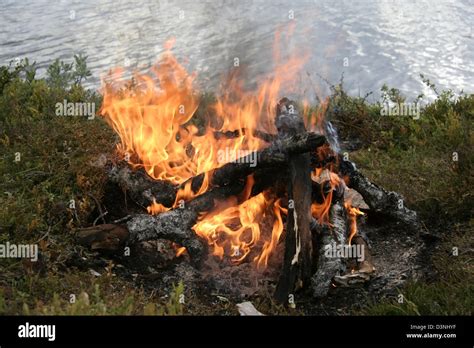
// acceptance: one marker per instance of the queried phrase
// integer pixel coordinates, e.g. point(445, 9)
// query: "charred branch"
point(140, 187)
point(329, 266)
point(174, 225)
point(143, 190)
point(378, 199)
point(244, 131)
point(275, 156)
point(297, 263)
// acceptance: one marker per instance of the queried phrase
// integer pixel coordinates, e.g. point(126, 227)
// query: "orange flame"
point(352, 212)
point(149, 116)
point(156, 208)
point(235, 230)
point(155, 118)
point(320, 211)
point(232, 229)
point(270, 246)
point(182, 195)
point(314, 117)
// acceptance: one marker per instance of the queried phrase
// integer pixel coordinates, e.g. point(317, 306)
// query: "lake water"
point(370, 42)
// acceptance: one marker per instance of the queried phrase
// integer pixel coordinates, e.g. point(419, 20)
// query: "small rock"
point(247, 308)
point(94, 273)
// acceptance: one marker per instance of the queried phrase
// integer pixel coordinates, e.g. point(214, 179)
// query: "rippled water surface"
point(387, 41)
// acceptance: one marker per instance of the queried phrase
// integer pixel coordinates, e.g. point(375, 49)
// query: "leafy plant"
point(62, 75)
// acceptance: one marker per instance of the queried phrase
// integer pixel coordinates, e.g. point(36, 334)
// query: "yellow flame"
point(155, 119)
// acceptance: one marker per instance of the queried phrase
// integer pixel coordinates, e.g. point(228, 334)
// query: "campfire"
point(259, 182)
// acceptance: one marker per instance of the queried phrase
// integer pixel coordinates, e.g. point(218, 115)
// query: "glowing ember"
point(180, 251)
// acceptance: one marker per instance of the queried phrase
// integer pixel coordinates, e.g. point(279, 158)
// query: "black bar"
point(238, 330)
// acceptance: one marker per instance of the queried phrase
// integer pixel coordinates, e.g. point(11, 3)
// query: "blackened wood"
point(297, 262)
point(378, 199)
point(143, 190)
point(243, 131)
point(275, 156)
point(140, 187)
point(106, 237)
point(319, 191)
point(328, 264)
point(174, 225)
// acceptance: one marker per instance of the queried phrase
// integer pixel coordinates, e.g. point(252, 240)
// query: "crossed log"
point(289, 152)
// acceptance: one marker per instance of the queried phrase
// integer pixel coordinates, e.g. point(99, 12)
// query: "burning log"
point(155, 123)
point(378, 199)
point(144, 190)
point(279, 154)
point(243, 131)
point(140, 187)
point(329, 266)
point(297, 263)
point(174, 225)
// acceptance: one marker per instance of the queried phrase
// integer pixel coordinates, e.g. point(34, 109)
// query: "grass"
point(46, 161)
point(58, 160)
point(427, 299)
